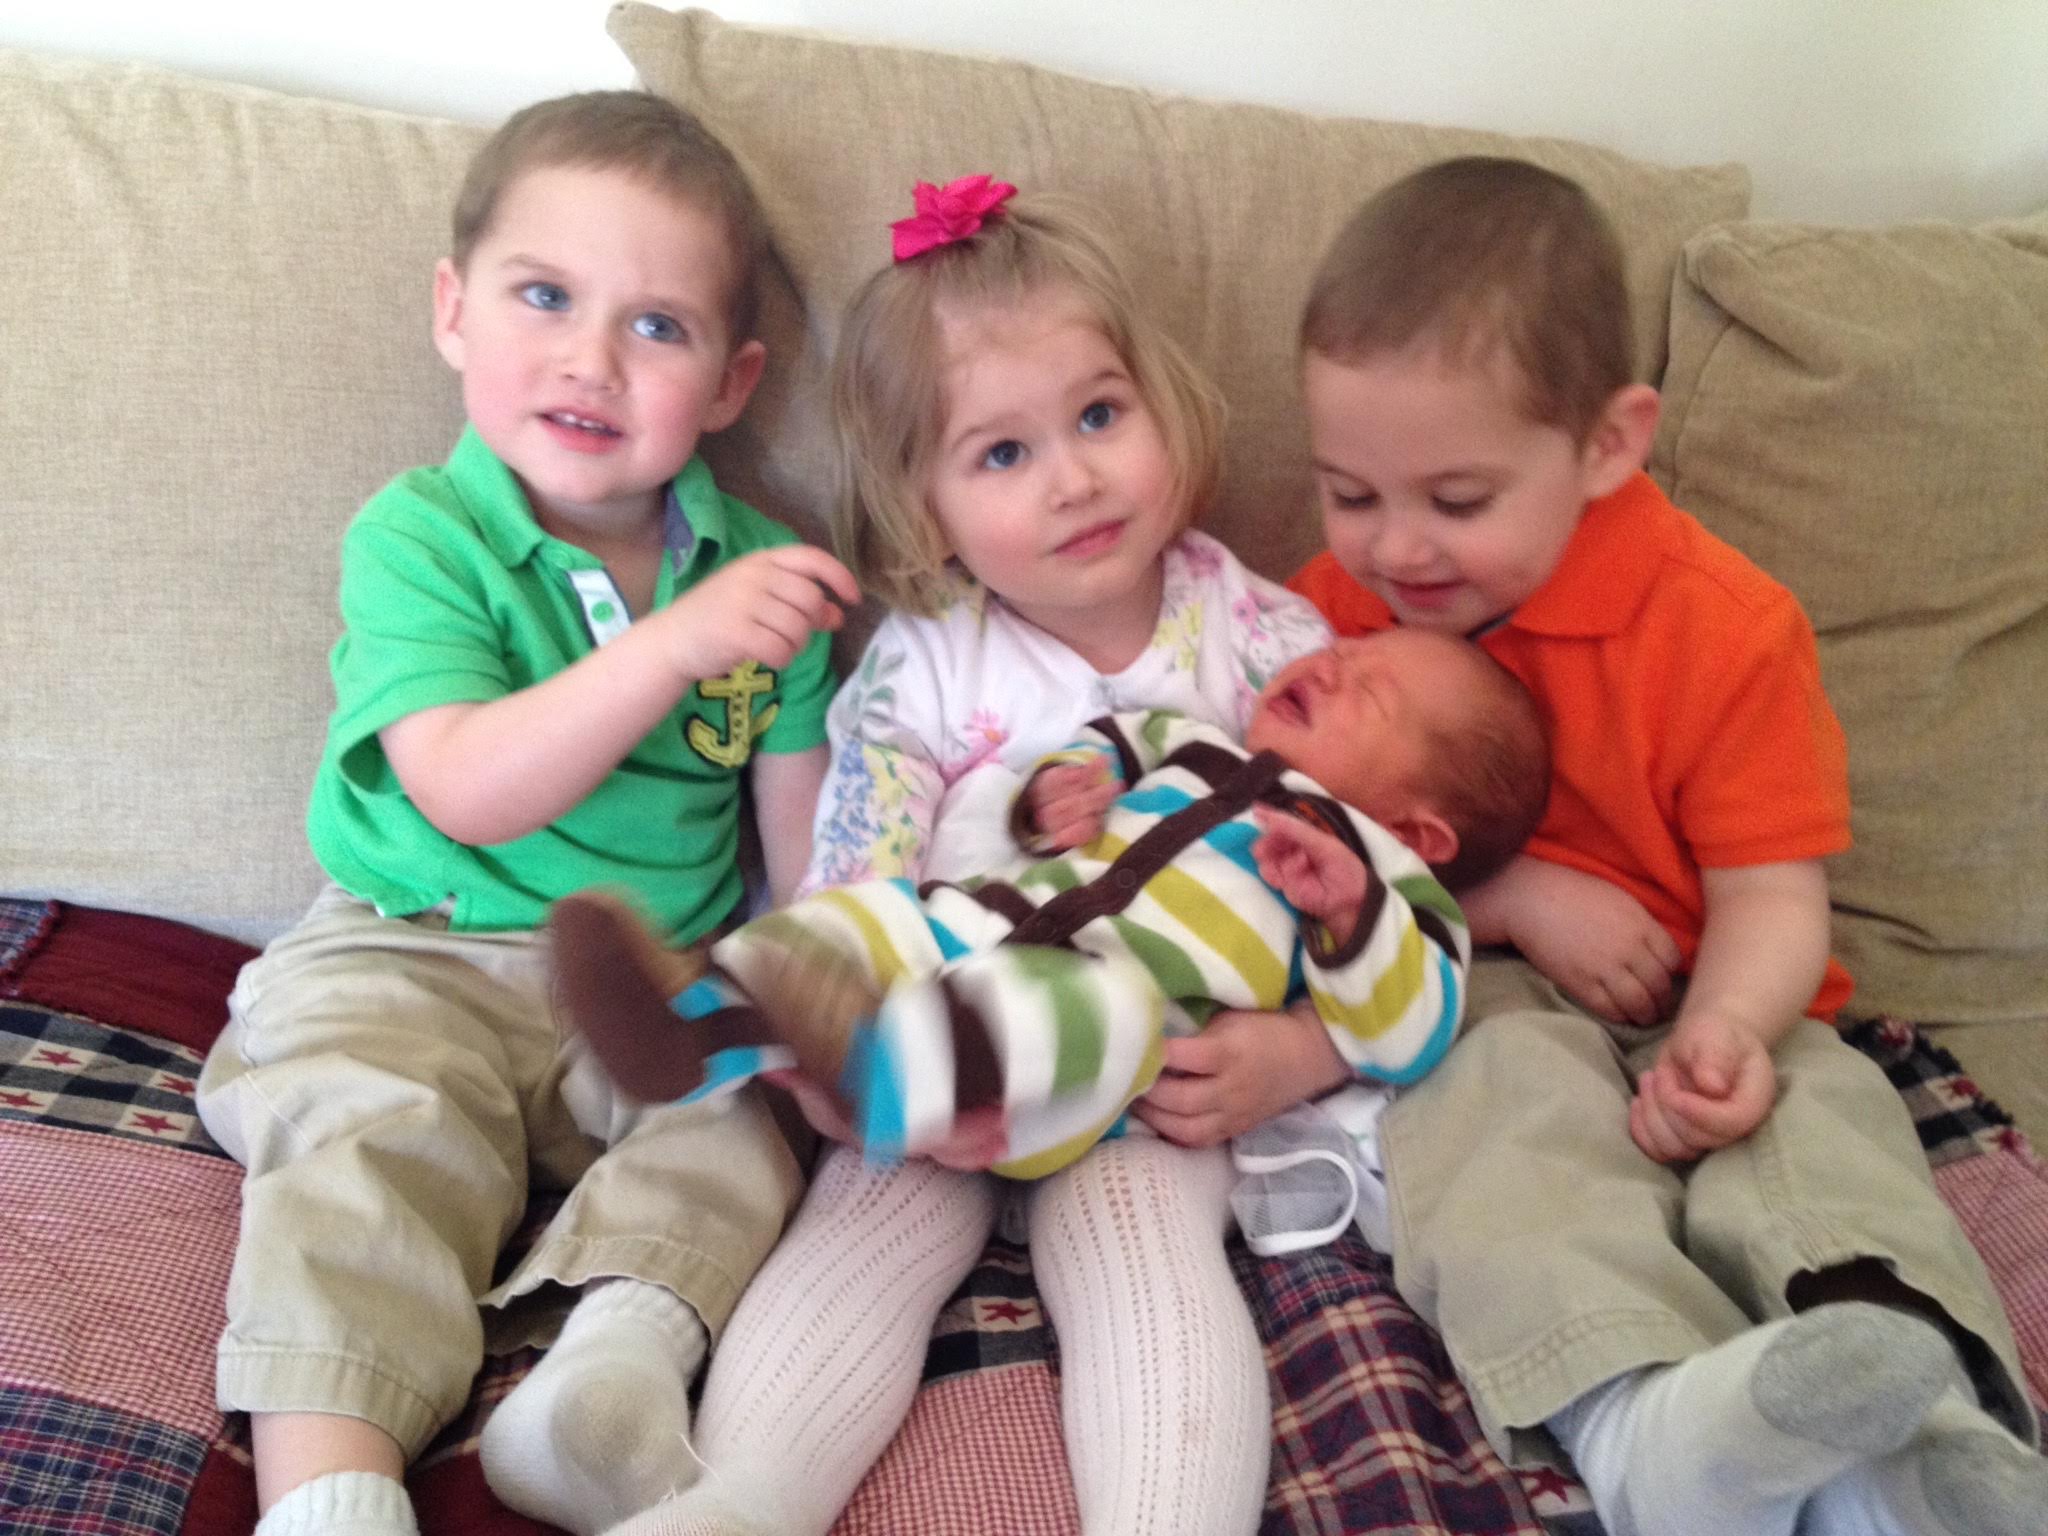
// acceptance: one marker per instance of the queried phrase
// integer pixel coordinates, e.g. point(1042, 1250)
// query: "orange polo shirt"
point(1689, 727)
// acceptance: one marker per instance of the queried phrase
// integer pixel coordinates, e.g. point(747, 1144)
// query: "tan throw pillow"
point(1223, 210)
point(215, 344)
point(1865, 414)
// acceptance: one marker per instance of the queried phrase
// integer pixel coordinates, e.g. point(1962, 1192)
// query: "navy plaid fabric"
point(71, 1466)
point(993, 1319)
point(59, 1069)
point(22, 923)
point(1954, 1119)
point(1371, 1430)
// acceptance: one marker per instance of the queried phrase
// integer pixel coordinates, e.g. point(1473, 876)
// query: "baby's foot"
point(614, 984)
point(806, 993)
point(926, 1079)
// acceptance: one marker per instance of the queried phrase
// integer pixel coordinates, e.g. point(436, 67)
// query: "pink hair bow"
point(948, 213)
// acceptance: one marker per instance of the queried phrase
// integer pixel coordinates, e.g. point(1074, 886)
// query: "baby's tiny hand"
point(1313, 870)
point(1068, 801)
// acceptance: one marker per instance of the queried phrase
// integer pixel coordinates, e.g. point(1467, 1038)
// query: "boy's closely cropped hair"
point(1493, 262)
point(643, 135)
point(1655, 1205)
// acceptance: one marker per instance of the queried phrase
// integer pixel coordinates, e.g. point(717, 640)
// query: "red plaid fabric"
point(112, 1283)
point(2001, 1199)
point(1371, 1430)
point(980, 1452)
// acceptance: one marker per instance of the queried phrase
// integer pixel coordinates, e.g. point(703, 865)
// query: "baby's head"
point(995, 383)
point(600, 296)
point(1466, 371)
point(1423, 732)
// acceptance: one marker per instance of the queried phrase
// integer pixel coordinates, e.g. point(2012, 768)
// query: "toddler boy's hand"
point(1313, 870)
point(1710, 1086)
point(1593, 939)
point(762, 607)
point(1068, 801)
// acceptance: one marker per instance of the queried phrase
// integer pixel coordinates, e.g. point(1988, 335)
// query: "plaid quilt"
point(121, 1218)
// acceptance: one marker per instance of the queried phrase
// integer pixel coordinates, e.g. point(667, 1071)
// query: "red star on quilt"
point(19, 1101)
point(1545, 1483)
point(1006, 1311)
point(183, 1085)
point(60, 1058)
point(156, 1124)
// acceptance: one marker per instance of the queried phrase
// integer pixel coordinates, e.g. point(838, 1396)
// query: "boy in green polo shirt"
point(560, 651)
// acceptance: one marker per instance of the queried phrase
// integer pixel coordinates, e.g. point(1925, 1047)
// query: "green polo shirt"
point(451, 593)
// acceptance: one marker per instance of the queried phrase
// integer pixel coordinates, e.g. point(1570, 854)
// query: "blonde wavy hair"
point(888, 383)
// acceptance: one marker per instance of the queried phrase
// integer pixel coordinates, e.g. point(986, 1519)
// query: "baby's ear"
point(1427, 835)
point(1619, 443)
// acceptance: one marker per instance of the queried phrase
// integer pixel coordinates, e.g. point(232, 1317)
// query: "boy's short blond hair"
point(888, 383)
point(1478, 256)
point(642, 135)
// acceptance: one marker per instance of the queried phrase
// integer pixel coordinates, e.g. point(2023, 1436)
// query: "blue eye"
point(545, 295)
point(657, 328)
point(1095, 417)
point(1007, 454)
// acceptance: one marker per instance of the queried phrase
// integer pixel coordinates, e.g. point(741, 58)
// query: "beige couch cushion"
point(1865, 413)
point(1223, 208)
point(215, 344)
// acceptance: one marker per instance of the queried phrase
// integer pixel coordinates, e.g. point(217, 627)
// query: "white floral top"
point(943, 715)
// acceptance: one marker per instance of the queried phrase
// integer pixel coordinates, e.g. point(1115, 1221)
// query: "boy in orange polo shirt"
point(1651, 1200)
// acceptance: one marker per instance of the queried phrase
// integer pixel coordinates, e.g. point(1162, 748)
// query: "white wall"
point(1844, 110)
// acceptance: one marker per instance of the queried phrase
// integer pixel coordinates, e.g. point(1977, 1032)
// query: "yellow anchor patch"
point(738, 688)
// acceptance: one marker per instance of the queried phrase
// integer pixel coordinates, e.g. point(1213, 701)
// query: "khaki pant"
point(1553, 1255)
point(388, 1085)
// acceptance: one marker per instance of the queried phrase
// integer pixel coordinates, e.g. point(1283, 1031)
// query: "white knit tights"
point(821, 1358)
point(1162, 1382)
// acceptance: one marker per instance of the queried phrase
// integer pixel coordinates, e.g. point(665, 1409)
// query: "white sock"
point(1162, 1382)
point(342, 1504)
point(817, 1368)
point(1963, 1474)
point(701, 1511)
point(600, 1429)
point(1735, 1438)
